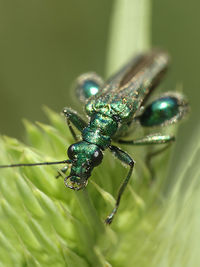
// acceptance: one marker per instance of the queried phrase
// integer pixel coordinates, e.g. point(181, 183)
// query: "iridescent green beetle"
point(113, 107)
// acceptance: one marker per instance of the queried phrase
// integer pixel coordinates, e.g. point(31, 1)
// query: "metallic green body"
point(160, 111)
point(100, 130)
point(124, 94)
point(116, 105)
point(112, 107)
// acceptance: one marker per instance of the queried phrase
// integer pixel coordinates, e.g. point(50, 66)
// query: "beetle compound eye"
point(97, 157)
point(71, 151)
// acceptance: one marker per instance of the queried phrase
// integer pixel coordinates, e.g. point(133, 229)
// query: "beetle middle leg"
point(155, 139)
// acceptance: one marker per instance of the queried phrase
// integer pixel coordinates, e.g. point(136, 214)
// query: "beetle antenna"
point(35, 164)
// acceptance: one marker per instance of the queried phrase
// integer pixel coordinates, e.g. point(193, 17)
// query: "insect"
point(113, 107)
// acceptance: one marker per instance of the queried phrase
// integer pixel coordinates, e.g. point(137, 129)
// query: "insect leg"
point(63, 170)
point(75, 119)
point(125, 158)
point(151, 140)
point(151, 155)
point(163, 111)
point(87, 85)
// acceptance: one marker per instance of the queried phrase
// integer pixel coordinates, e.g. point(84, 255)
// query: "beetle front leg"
point(125, 158)
point(75, 119)
point(63, 170)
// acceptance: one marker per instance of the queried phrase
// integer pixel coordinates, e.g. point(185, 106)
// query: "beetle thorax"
point(100, 130)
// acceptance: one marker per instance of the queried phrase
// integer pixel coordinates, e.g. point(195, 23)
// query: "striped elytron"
point(113, 107)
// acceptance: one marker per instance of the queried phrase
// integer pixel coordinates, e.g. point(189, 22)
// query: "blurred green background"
point(45, 44)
